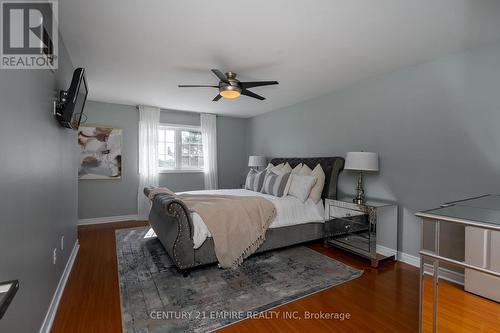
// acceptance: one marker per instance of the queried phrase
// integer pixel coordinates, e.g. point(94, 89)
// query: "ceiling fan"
point(230, 87)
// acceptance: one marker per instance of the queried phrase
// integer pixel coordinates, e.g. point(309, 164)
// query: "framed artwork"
point(100, 152)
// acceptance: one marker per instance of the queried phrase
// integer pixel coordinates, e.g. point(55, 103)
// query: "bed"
point(189, 246)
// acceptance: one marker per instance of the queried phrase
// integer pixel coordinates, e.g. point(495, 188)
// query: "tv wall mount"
point(59, 106)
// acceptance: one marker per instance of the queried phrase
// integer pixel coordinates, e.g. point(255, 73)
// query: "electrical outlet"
point(54, 256)
point(62, 243)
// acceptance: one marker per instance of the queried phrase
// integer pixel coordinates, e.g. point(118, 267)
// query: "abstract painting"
point(100, 153)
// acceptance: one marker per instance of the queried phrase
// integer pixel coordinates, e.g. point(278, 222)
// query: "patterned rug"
point(155, 297)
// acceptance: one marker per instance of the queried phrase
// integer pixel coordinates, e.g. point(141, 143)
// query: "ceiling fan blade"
point(220, 75)
point(216, 98)
point(246, 85)
point(195, 86)
point(251, 94)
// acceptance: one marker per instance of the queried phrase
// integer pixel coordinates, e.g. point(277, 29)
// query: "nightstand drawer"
point(339, 212)
point(343, 226)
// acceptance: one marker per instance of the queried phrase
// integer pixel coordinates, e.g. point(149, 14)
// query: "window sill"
point(181, 171)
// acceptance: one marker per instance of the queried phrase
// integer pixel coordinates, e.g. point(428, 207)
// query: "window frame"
point(178, 148)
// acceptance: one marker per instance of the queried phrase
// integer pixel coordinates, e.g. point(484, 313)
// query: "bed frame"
point(171, 221)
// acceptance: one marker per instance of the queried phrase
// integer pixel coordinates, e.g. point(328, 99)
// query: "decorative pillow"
point(279, 169)
point(254, 180)
point(306, 171)
point(295, 170)
point(275, 184)
point(286, 168)
point(250, 179)
point(317, 189)
point(275, 168)
point(301, 186)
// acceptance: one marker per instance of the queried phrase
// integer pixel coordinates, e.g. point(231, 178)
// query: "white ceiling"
point(137, 52)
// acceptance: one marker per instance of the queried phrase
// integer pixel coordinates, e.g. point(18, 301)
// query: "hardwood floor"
point(381, 300)
point(91, 299)
point(460, 311)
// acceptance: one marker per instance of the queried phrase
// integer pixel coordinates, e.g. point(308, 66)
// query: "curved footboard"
point(171, 221)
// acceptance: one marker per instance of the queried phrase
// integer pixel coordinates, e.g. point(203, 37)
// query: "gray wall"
point(436, 127)
point(38, 190)
point(232, 156)
point(102, 198)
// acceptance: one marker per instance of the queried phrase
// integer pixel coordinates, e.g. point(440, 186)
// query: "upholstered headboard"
point(331, 166)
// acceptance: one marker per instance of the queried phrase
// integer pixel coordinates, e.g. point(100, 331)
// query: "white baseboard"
point(409, 259)
point(108, 219)
point(444, 273)
point(51, 313)
point(386, 251)
point(400, 256)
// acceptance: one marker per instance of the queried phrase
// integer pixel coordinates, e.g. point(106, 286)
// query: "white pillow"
point(306, 171)
point(287, 168)
point(301, 186)
point(317, 189)
point(274, 168)
point(295, 170)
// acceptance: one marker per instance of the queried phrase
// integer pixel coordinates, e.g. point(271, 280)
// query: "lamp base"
point(358, 201)
point(360, 196)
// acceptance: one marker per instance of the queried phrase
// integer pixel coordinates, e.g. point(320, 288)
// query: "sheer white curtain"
point(149, 119)
point(209, 138)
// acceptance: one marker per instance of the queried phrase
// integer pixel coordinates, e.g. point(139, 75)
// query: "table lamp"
point(361, 161)
point(257, 161)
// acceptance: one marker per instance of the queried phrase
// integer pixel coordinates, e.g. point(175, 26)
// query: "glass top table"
point(480, 212)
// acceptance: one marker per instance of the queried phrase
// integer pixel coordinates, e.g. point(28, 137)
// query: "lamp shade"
point(361, 161)
point(257, 161)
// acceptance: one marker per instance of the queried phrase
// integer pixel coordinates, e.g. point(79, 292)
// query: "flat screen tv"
point(69, 110)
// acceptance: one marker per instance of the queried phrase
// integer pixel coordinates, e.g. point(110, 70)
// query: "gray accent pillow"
point(275, 184)
point(255, 180)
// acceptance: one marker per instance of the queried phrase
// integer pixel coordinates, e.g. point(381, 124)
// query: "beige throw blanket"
point(238, 224)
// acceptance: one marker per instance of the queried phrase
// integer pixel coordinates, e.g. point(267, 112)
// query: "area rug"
point(155, 297)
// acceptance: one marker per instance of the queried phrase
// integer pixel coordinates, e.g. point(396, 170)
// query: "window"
point(180, 148)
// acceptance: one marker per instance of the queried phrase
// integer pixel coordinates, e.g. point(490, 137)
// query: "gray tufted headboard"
point(331, 166)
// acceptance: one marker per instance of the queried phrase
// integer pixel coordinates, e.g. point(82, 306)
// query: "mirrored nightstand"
point(369, 230)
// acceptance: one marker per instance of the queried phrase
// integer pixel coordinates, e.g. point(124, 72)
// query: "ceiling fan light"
point(230, 94)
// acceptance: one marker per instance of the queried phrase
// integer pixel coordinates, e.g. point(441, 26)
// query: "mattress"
point(289, 211)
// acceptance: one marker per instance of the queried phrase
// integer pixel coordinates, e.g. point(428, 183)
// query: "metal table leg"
point(435, 298)
point(420, 297)
point(435, 279)
point(421, 277)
